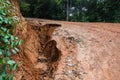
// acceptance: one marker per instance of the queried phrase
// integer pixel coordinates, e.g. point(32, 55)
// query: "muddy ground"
point(59, 50)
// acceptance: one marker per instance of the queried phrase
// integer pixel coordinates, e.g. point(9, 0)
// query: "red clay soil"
point(74, 51)
point(58, 50)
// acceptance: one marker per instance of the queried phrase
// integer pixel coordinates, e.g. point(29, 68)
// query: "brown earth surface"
point(59, 50)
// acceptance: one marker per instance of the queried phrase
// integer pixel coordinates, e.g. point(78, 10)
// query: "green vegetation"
point(8, 42)
point(73, 10)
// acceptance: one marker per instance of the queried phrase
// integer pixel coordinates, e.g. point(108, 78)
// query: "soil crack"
point(49, 54)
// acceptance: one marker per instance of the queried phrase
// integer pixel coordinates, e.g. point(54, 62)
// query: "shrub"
point(8, 42)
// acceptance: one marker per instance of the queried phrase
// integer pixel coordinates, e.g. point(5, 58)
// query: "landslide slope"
point(61, 50)
point(58, 50)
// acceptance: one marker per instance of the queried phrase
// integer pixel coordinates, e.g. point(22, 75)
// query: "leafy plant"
point(8, 42)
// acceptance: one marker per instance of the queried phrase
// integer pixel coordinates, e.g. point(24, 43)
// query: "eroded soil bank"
point(57, 50)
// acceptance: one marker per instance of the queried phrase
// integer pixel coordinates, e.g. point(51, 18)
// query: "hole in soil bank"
point(49, 54)
point(53, 54)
